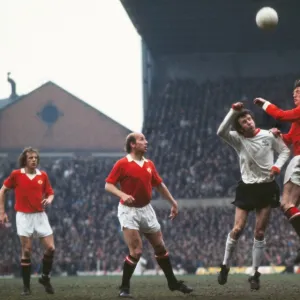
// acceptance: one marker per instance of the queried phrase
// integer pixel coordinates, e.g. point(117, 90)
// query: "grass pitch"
point(155, 287)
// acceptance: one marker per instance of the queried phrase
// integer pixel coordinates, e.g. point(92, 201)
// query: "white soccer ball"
point(266, 18)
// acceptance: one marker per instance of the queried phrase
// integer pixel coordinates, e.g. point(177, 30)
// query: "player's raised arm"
point(3, 215)
point(290, 115)
point(231, 137)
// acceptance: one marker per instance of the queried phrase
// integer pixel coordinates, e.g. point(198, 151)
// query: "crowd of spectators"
point(180, 125)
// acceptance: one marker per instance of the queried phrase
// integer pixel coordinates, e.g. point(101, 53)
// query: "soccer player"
point(33, 192)
point(291, 192)
point(137, 176)
point(257, 190)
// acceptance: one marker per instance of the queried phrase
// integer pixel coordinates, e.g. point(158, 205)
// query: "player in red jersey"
point(137, 176)
point(291, 192)
point(33, 192)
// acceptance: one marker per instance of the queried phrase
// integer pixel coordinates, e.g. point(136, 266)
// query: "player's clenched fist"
point(275, 131)
point(259, 101)
point(127, 199)
point(3, 218)
point(238, 106)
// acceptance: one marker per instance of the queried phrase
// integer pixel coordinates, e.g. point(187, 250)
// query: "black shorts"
point(257, 195)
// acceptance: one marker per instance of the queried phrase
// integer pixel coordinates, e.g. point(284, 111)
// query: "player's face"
point(247, 124)
point(141, 143)
point(31, 160)
point(296, 95)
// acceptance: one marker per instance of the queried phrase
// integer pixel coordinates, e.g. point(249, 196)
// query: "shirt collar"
point(130, 159)
point(37, 171)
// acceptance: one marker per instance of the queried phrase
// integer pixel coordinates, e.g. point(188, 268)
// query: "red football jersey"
point(29, 192)
point(293, 115)
point(135, 180)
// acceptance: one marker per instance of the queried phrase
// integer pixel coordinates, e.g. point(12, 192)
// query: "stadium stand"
point(194, 163)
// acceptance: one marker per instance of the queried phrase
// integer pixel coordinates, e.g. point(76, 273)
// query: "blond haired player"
point(33, 192)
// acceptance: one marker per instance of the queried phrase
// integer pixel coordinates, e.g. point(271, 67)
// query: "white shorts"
point(142, 219)
point(33, 223)
point(292, 172)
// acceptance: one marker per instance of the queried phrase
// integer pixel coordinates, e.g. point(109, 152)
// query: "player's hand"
point(47, 201)
point(276, 132)
point(128, 199)
point(273, 173)
point(259, 101)
point(174, 211)
point(3, 218)
point(238, 106)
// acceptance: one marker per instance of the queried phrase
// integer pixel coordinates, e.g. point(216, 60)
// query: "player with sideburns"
point(33, 192)
point(257, 190)
point(137, 176)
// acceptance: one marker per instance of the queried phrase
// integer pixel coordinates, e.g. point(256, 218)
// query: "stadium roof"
point(194, 26)
point(4, 102)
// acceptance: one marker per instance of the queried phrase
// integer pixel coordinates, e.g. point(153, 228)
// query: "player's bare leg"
point(262, 220)
point(134, 242)
point(48, 243)
point(163, 260)
point(289, 205)
point(240, 220)
point(26, 245)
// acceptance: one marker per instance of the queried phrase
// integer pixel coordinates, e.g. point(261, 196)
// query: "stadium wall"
point(213, 66)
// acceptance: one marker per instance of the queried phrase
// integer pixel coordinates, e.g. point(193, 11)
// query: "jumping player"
point(257, 189)
point(137, 176)
point(33, 192)
point(291, 192)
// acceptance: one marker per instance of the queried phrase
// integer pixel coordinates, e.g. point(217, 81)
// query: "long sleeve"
point(291, 115)
point(283, 152)
point(231, 137)
point(287, 138)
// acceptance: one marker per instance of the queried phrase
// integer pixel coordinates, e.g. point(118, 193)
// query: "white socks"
point(257, 254)
point(229, 249)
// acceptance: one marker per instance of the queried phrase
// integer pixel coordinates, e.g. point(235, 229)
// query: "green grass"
point(154, 287)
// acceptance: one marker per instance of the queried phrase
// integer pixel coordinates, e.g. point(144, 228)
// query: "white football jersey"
point(256, 154)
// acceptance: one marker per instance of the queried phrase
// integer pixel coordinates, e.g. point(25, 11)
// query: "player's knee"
point(285, 206)
point(259, 234)
point(160, 249)
point(236, 232)
point(136, 253)
point(50, 250)
point(27, 252)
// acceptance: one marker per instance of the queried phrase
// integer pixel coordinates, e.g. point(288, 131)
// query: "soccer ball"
point(267, 18)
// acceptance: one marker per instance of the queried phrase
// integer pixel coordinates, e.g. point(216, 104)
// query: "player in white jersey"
point(257, 190)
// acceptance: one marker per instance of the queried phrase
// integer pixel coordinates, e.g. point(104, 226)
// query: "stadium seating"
point(180, 125)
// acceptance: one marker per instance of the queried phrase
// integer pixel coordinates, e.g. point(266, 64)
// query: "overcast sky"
point(89, 48)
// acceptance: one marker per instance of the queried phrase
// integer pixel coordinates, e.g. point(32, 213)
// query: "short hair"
point(23, 156)
point(129, 139)
point(297, 84)
point(236, 124)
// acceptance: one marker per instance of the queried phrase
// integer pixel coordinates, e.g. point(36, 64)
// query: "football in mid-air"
point(267, 18)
